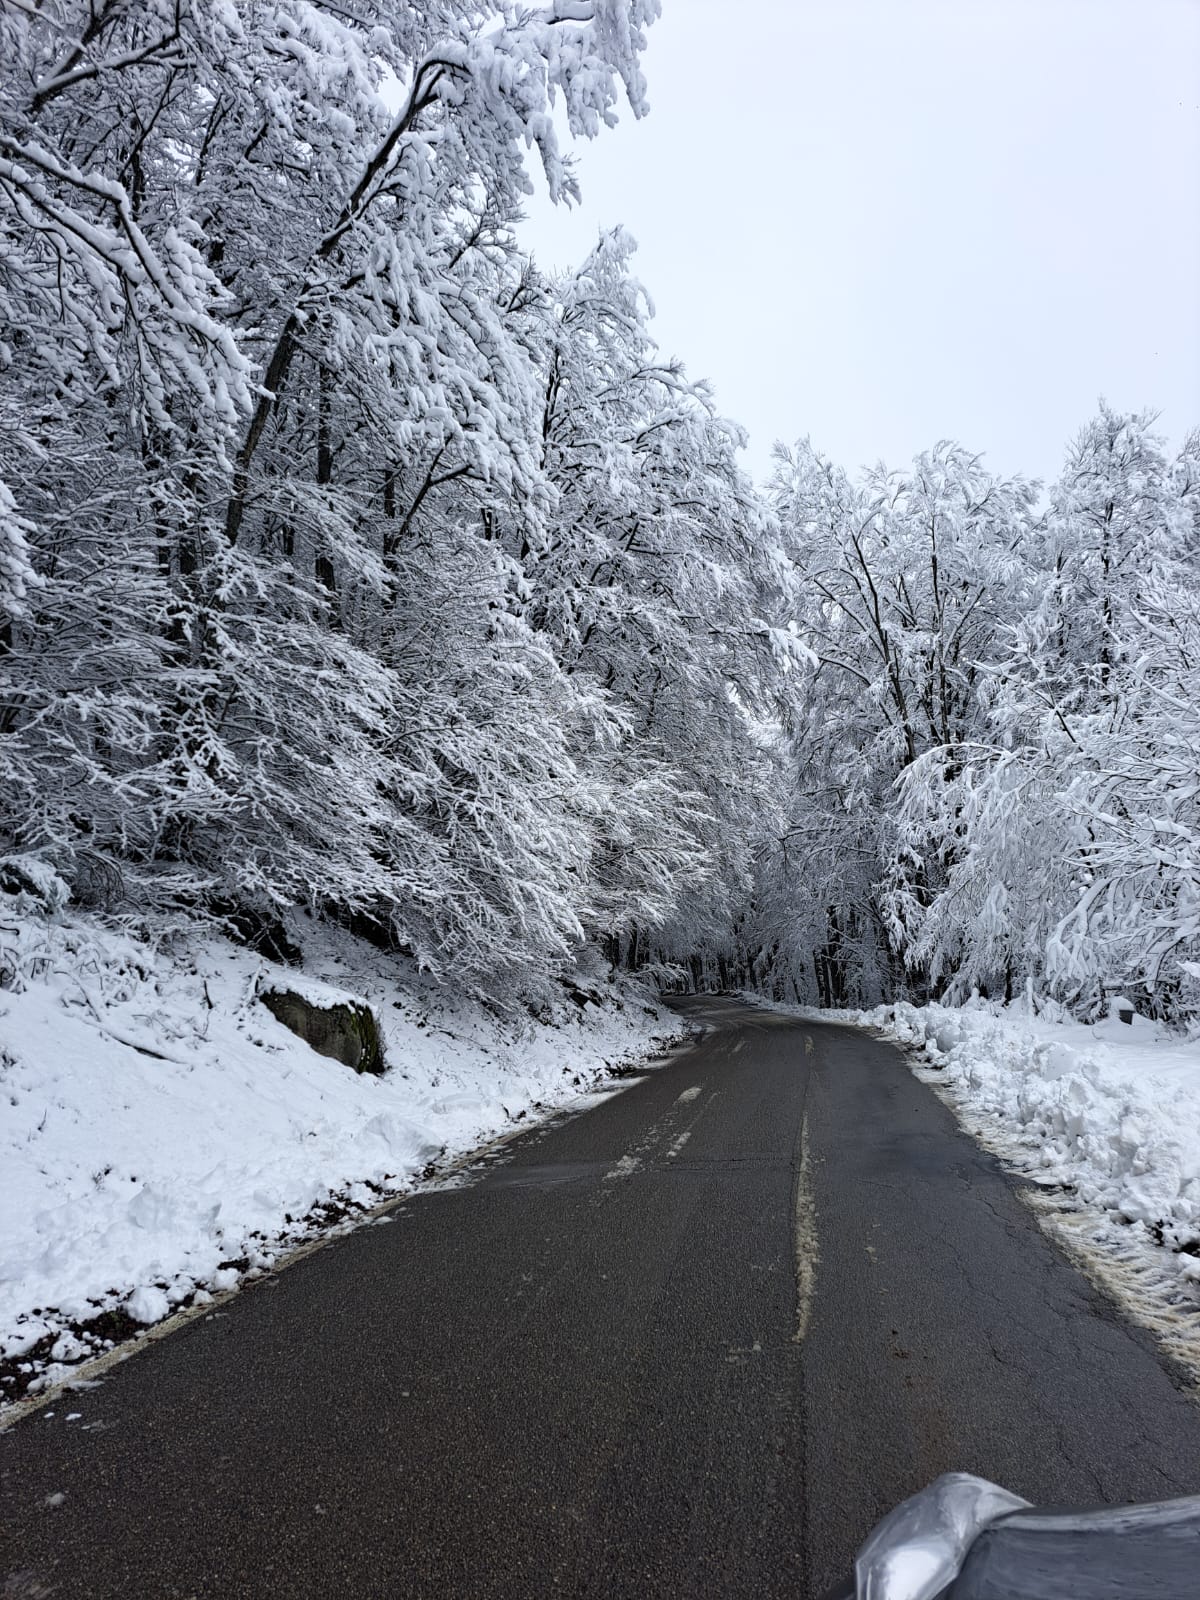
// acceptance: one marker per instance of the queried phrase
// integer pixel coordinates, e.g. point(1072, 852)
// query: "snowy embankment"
point(162, 1136)
point(1110, 1112)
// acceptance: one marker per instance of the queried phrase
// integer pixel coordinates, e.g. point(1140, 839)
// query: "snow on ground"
point(162, 1135)
point(1107, 1115)
point(1104, 1119)
point(1112, 1110)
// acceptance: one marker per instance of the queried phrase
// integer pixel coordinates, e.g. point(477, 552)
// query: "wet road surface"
point(691, 1342)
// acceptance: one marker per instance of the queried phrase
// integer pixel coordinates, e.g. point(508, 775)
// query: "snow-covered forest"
point(351, 561)
point(992, 765)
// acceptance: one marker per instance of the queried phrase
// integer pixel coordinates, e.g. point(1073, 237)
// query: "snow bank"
point(1110, 1111)
point(162, 1135)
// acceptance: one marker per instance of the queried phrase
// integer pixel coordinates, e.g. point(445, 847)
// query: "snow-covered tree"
point(653, 582)
point(1067, 822)
point(247, 299)
point(896, 586)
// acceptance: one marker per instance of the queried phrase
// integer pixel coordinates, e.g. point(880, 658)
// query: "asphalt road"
point(692, 1342)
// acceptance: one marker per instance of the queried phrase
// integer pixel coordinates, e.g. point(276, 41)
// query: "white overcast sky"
point(886, 222)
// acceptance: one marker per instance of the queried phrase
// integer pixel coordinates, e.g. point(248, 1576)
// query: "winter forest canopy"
point(351, 561)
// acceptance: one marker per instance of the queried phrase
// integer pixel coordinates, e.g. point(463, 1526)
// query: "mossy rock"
point(348, 1031)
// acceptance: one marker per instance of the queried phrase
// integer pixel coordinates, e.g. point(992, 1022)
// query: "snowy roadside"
point(1105, 1119)
point(163, 1137)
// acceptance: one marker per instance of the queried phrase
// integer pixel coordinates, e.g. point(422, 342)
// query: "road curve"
point(691, 1342)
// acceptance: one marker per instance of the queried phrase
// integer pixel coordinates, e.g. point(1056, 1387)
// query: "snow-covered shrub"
point(31, 887)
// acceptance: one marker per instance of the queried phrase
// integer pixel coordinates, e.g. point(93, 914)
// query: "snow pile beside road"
point(162, 1135)
point(1112, 1110)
